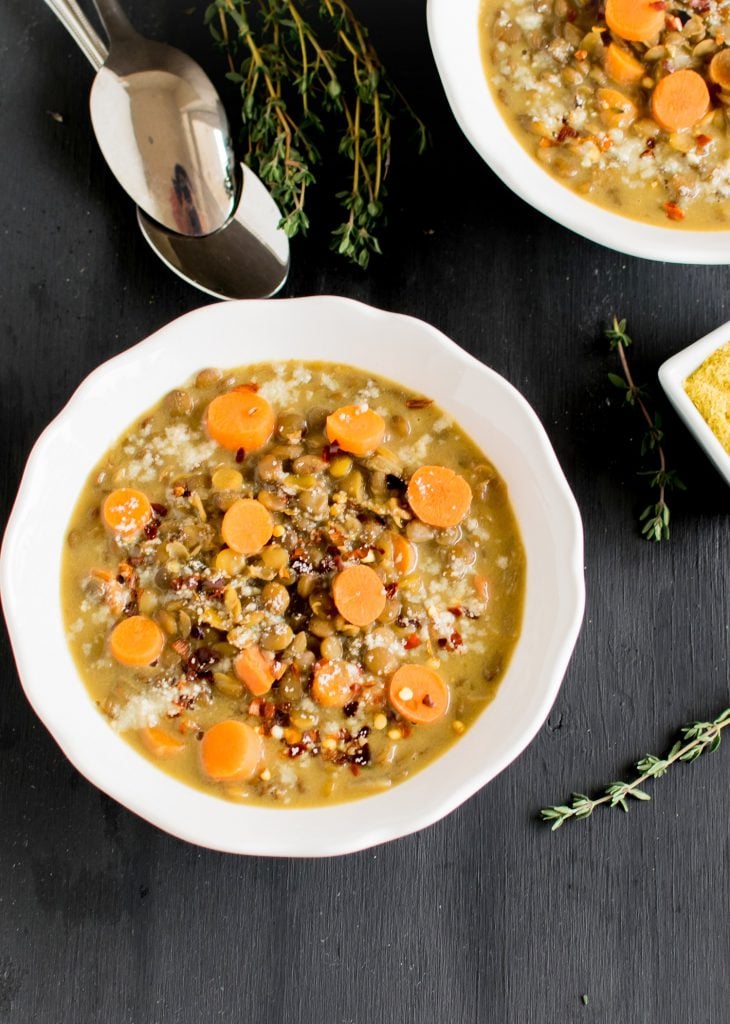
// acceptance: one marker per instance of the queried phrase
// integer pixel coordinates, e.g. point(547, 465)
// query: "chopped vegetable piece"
point(720, 68)
point(335, 683)
point(635, 20)
point(161, 743)
point(240, 419)
point(247, 526)
point(255, 670)
point(356, 429)
point(136, 641)
point(230, 751)
point(439, 496)
point(622, 66)
point(419, 694)
point(680, 100)
point(126, 512)
point(405, 554)
point(359, 594)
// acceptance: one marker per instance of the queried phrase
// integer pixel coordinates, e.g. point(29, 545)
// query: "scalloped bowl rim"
point(454, 37)
point(239, 333)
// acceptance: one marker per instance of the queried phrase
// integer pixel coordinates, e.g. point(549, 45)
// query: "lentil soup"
point(293, 583)
point(624, 101)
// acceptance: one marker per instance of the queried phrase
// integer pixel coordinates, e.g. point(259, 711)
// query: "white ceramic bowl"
point(672, 375)
point(233, 334)
point(454, 34)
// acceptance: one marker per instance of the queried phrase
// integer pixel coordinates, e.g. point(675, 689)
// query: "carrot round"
point(680, 100)
point(356, 429)
point(635, 20)
point(418, 694)
point(335, 683)
point(622, 66)
point(126, 511)
point(405, 554)
point(439, 496)
point(720, 68)
point(359, 594)
point(161, 743)
point(136, 641)
point(255, 670)
point(615, 108)
point(230, 751)
point(247, 526)
point(240, 419)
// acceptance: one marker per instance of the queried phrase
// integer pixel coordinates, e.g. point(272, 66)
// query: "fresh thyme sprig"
point(696, 740)
point(302, 66)
point(655, 518)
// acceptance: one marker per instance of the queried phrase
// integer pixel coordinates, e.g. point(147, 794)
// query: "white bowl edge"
point(672, 375)
point(454, 38)
point(130, 779)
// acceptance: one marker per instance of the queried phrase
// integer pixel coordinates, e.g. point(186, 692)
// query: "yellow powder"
point(709, 389)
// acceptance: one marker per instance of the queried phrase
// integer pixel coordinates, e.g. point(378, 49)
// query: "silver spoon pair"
point(163, 131)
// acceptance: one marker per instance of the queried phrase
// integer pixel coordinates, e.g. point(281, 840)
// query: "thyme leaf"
point(697, 739)
point(654, 519)
point(307, 70)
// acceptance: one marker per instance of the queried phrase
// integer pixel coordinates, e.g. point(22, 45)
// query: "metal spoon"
point(249, 256)
point(162, 129)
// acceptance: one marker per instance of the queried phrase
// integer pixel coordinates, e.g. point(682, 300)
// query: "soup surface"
point(624, 101)
point(293, 583)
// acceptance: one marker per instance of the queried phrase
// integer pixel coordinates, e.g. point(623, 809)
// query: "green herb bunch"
point(304, 67)
point(697, 739)
point(655, 517)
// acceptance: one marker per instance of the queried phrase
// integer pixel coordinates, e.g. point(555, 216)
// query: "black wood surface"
point(485, 917)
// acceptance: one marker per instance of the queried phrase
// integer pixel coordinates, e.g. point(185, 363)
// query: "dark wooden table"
point(485, 917)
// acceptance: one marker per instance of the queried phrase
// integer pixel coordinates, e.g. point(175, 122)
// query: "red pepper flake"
point(659, 5)
point(412, 641)
point(671, 20)
point(418, 403)
point(566, 132)
point(702, 141)
point(428, 700)
point(456, 639)
point(391, 589)
point(240, 455)
point(330, 450)
point(581, 54)
point(673, 211)
point(456, 611)
point(158, 509)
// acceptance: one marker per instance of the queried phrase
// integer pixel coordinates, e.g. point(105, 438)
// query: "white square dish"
point(672, 375)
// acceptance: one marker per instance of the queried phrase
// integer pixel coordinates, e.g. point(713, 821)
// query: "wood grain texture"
point(485, 917)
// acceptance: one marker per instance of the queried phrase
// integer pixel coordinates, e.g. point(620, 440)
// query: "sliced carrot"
point(615, 109)
point(359, 594)
point(126, 511)
point(405, 554)
point(255, 670)
point(481, 585)
point(622, 66)
point(680, 100)
point(356, 429)
point(240, 419)
point(230, 751)
point(136, 641)
point(418, 694)
point(635, 20)
point(335, 683)
point(247, 526)
point(439, 496)
point(720, 68)
point(161, 743)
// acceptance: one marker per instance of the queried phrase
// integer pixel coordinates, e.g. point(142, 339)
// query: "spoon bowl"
point(162, 129)
point(248, 256)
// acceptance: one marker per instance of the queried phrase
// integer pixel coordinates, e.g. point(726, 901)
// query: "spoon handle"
point(81, 30)
point(116, 23)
